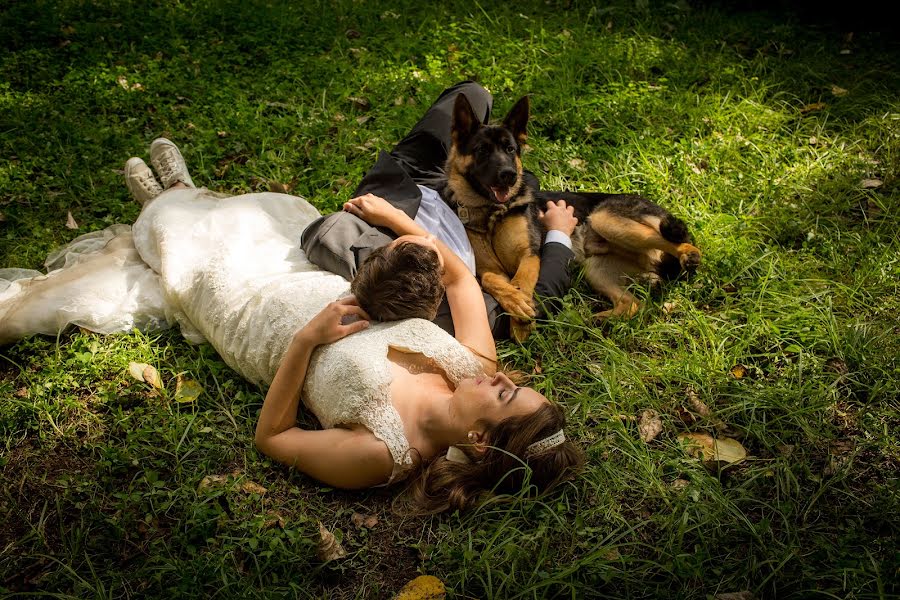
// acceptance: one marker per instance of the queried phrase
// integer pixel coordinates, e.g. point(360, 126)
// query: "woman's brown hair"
point(503, 467)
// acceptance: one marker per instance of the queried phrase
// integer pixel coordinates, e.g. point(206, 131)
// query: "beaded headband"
point(540, 446)
point(454, 454)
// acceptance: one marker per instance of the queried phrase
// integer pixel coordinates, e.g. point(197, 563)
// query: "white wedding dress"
point(229, 271)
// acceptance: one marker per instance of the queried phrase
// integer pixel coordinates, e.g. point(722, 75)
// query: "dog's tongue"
point(501, 194)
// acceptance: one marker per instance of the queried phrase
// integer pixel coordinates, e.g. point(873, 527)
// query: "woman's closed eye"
point(509, 394)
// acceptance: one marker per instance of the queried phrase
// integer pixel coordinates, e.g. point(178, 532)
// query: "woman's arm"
point(340, 457)
point(470, 322)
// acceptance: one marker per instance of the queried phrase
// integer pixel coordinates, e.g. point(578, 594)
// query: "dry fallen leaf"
point(838, 90)
point(710, 449)
point(151, 376)
point(700, 407)
point(250, 487)
point(576, 163)
point(668, 307)
point(122, 81)
point(871, 184)
point(187, 390)
point(211, 481)
point(361, 520)
point(738, 371)
point(136, 370)
point(22, 393)
point(680, 484)
point(813, 106)
point(275, 519)
point(649, 426)
point(423, 587)
point(70, 221)
point(360, 103)
point(328, 547)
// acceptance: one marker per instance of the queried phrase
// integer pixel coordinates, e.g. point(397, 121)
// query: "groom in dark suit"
point(407, 178)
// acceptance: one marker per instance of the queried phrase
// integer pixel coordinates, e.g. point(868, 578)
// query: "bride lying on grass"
point(395, 399)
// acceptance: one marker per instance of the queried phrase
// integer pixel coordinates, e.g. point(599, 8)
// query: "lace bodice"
point(349, 381)
point(231, 272)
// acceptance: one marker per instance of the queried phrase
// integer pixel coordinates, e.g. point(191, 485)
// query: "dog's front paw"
point(520, 330)
point(624, 310)
point(689, 256)
point(517, 304)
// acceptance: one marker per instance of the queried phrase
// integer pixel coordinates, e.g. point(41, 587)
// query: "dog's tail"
point(674, 230)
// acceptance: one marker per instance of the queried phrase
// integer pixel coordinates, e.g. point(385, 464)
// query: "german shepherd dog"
point(619, 238)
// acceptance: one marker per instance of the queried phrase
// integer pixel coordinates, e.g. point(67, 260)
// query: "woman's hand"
point(374, 210)
point(329, 325)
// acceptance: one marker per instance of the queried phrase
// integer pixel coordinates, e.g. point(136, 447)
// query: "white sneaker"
point(140, 181)
point(168, 162)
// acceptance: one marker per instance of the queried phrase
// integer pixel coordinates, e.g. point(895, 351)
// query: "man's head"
point(401, 280)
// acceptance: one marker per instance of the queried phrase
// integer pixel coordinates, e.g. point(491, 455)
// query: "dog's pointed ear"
point(517, 120)
point(465, 123)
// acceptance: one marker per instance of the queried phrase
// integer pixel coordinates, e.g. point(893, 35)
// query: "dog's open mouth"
point(501, 194)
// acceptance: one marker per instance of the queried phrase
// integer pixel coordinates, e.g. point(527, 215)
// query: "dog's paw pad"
point(690, 260)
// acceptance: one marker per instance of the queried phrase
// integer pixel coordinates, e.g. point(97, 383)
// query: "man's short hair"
point(400, 281)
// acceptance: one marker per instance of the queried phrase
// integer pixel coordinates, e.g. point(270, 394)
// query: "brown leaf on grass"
point(360, 520)
point(151, 376)
point(712, 450)
point(871, 184)
point(211, 481)
point(122, 81)
point(669, 307)
point(838, 90)
point(576, 163)
point(283, 188)
point(812, 107)
point(363, 119)
point(649, 426)
point(328, 548)
point(136, 370)
point(700, 407)
point(679, 484)
point(22, 393)
point(187, 390)
point(360, 103)
point(222, 134)
point(70, 221)
point(738, 371)
point(274, 519)
point(251, 487)
point(423, 587)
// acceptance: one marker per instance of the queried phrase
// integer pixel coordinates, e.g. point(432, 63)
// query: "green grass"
point(713, 113)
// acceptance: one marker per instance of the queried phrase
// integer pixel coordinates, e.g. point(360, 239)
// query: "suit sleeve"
point(554, 279)
point(340, 242)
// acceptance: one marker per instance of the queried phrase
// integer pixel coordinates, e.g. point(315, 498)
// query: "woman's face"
point(423, 240)
point(489, 400)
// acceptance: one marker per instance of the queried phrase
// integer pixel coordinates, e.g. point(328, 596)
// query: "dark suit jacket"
point(340, 242)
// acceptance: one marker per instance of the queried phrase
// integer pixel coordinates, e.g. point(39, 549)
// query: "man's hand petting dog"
point(559, 216)
point(374, 210)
